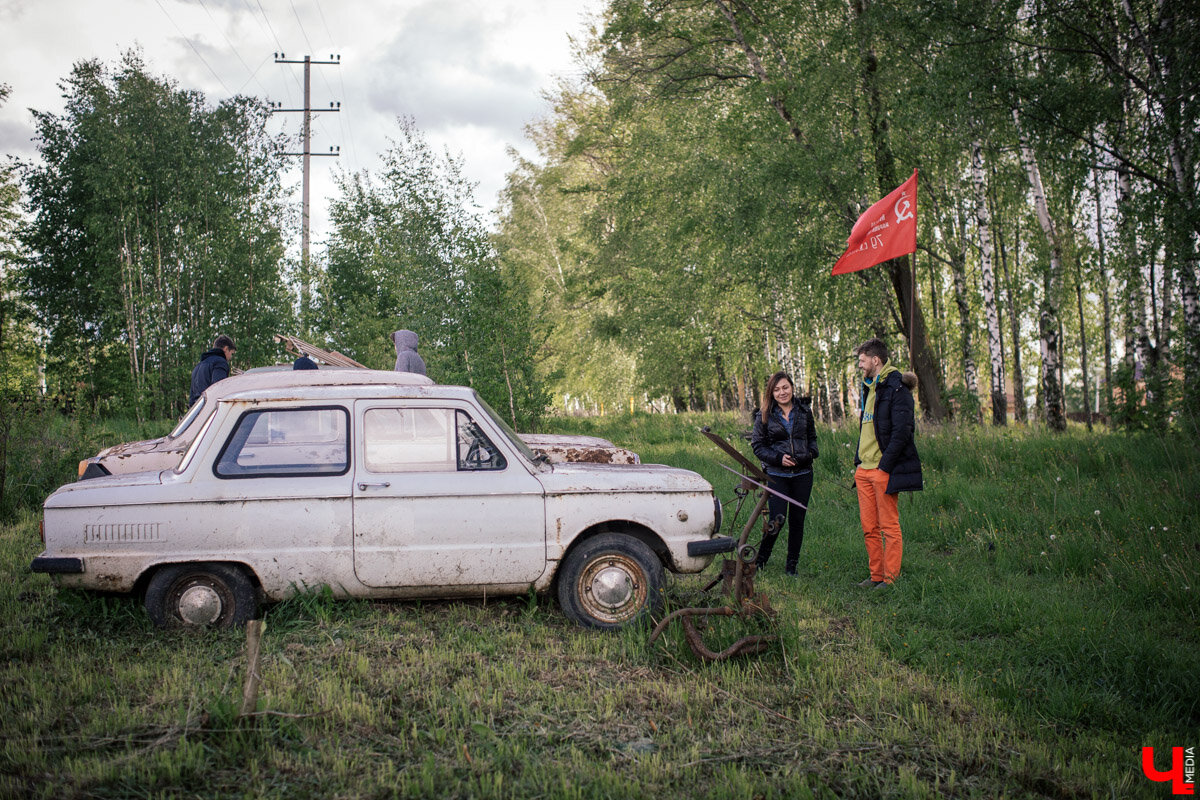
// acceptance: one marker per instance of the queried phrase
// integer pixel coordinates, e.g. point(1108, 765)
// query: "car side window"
point(426, 440)
point(287, 442)
point(408, 440)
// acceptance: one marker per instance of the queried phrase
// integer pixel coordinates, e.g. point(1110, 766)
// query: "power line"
point(344, 122)
point(233, 47)
point(270, 28)
point(194, 50)
point(253, 77)
point(303, 32)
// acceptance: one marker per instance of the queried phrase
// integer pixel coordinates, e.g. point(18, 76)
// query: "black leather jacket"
point(771, 440)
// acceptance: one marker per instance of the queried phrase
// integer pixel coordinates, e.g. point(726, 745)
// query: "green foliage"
point(698, 185)
point(409, 251)
point(154, 227)
point(18, 343)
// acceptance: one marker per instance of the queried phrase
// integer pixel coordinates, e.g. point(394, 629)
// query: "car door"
point(276, 495)
point(441, 499)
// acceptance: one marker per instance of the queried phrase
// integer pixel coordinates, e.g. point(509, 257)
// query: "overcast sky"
point(470, 72)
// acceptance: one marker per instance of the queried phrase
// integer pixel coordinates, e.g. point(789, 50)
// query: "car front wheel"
point(201, 596)
point(610, 580)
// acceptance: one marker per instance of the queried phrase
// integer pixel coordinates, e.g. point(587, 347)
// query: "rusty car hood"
point(562, 448)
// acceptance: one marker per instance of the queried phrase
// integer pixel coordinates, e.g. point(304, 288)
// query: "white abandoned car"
point(375, 484)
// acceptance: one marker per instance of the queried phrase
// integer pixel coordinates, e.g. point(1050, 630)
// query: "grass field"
point(1043, 631)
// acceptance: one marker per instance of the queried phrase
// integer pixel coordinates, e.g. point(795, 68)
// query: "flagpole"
point(912, 310)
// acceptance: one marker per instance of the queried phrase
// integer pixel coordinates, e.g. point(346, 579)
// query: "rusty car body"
point(373, 484)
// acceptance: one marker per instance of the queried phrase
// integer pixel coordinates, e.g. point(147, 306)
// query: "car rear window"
point(287, 442)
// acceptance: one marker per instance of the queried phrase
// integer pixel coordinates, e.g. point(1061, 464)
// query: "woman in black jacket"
point(785, 440)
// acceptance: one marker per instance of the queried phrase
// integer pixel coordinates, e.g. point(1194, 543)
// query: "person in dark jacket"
point(213, 366)
point(304, 362)
point(785, 441)
point(886, 460)
point(407, 359)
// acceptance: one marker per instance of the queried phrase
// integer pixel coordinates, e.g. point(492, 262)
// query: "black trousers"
point(799, 488)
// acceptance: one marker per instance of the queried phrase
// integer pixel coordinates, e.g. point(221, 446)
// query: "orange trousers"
point(880, 516)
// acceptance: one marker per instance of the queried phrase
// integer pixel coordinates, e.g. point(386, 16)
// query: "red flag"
point(888, 229)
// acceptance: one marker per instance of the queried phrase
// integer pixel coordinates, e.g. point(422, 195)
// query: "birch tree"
point(988, 281)
point(1048, 318)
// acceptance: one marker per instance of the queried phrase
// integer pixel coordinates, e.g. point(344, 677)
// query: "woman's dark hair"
point(769, 400)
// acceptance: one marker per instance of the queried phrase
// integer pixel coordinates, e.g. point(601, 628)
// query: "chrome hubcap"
point(612, 587)
point(199, 605)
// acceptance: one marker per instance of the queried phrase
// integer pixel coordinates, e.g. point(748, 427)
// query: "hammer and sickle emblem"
point(903, 210)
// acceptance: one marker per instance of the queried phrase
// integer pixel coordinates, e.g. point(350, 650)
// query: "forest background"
point(672, 247)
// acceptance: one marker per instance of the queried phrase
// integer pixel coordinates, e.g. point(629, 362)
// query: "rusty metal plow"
point(737, 574)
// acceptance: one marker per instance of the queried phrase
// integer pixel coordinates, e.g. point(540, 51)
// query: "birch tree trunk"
point(1020, 413)
point(965, 326)
point(1135, 306)
point(1048, 320)
point(1083, 359)
point(988, 279)
point(1105, 299)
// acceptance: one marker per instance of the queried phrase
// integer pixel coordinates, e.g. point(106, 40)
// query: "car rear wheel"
point(201, 596)
point(610, 580)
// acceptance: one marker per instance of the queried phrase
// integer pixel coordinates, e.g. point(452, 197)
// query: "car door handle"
point(363, 486)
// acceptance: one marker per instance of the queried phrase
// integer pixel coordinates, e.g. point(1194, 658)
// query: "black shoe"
point(868, 583)
point(791, 573)
point(882, 585)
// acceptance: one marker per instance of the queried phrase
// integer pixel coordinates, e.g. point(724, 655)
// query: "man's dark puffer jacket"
point(895, 429)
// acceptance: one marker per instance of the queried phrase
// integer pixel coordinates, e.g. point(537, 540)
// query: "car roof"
point(268, 380)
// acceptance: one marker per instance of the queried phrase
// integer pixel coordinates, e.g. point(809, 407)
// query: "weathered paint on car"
point(402, 489)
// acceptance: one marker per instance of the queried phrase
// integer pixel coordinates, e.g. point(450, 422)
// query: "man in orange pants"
point(886, 461)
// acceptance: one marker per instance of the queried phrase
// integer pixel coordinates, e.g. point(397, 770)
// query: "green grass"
point(1005, 663)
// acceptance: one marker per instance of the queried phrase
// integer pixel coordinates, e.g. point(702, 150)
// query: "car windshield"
point(188, 418)
point(512, 435)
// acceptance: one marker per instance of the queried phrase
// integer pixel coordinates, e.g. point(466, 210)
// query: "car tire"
point(201, 596)
point(610, 580)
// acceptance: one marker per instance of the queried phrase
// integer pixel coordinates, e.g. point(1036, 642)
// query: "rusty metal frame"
point(299, 347)
point(737, 574)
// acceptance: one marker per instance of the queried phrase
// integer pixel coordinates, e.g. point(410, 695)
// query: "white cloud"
point(470, 72)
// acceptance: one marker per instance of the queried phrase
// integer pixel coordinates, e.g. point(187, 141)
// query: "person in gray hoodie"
point(407, 359)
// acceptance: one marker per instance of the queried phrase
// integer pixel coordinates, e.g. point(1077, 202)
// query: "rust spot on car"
point(110, 583)
point(590, 456)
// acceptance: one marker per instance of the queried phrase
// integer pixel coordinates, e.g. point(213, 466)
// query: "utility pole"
point(306, 153)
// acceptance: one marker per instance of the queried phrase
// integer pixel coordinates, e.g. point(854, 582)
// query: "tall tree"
point(154, 227)
point(988, 276)
point(1048, 319)
point(717, 49)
